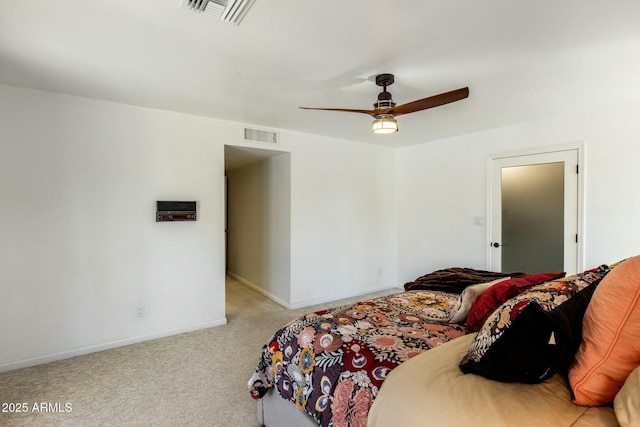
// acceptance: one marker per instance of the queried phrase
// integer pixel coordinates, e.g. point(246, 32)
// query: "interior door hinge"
point(578, 169)
point(576, 238)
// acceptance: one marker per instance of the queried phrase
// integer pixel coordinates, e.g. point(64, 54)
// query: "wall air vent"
point(259, 135)
point(232, 11)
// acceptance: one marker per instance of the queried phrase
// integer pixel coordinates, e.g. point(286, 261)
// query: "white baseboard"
point(259, 290)
point(308, 303)
point(334, 298)
point(39, 360)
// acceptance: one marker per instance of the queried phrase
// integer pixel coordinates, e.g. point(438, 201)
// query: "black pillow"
point(538, 344)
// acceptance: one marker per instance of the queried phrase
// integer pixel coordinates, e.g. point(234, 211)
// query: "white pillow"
point(469, 296)
point(627, 402)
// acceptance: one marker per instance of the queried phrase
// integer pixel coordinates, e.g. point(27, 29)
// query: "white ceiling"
point(522, 60)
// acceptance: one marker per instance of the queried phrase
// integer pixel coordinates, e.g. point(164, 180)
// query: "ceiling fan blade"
point(372, 113)
point(430, 102)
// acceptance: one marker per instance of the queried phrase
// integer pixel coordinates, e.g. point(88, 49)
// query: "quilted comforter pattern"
point(332, 363)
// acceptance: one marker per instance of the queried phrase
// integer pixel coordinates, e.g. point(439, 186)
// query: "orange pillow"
point(610, 347)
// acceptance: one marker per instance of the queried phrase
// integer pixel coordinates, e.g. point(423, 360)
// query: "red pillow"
point(498, 294)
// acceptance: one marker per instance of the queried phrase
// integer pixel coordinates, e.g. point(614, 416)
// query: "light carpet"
point(194, 379)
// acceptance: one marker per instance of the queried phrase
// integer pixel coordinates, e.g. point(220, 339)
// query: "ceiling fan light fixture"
point(384, 123)
point(385, 109)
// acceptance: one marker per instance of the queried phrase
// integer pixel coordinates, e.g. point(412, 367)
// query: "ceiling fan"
point(385, 110)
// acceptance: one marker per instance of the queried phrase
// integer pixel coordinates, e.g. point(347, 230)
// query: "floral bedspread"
point(332, 363)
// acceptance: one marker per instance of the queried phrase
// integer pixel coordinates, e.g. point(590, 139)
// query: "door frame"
point(580, 149)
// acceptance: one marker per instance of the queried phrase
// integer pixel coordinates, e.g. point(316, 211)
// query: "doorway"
point(258, 219)
point(534, 212)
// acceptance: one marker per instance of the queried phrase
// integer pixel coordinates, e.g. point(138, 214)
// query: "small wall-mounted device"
point(176, 211)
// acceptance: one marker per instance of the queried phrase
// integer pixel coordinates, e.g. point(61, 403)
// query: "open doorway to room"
point(258, 220)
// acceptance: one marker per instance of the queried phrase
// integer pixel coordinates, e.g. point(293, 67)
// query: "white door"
point(534, 213)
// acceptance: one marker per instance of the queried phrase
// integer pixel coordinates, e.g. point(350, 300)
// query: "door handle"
point(495, 244)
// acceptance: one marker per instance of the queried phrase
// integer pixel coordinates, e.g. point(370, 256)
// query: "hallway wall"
point(259, 225)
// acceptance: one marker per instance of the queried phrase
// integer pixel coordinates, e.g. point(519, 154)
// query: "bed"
point(520, 368)
point(330, 364)
point(508, 369)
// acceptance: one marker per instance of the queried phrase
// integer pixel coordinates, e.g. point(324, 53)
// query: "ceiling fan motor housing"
point(384, 101)
point(384, 97)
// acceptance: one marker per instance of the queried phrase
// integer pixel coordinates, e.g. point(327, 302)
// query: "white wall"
point(442, 188)
point(81, 249)
point(278, 228)
point(343, 220)
point(259, 225)
point(246, 223)
point(80, 245)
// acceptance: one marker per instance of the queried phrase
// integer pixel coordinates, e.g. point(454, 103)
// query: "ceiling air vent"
point(258, 135)
point(232, 11)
